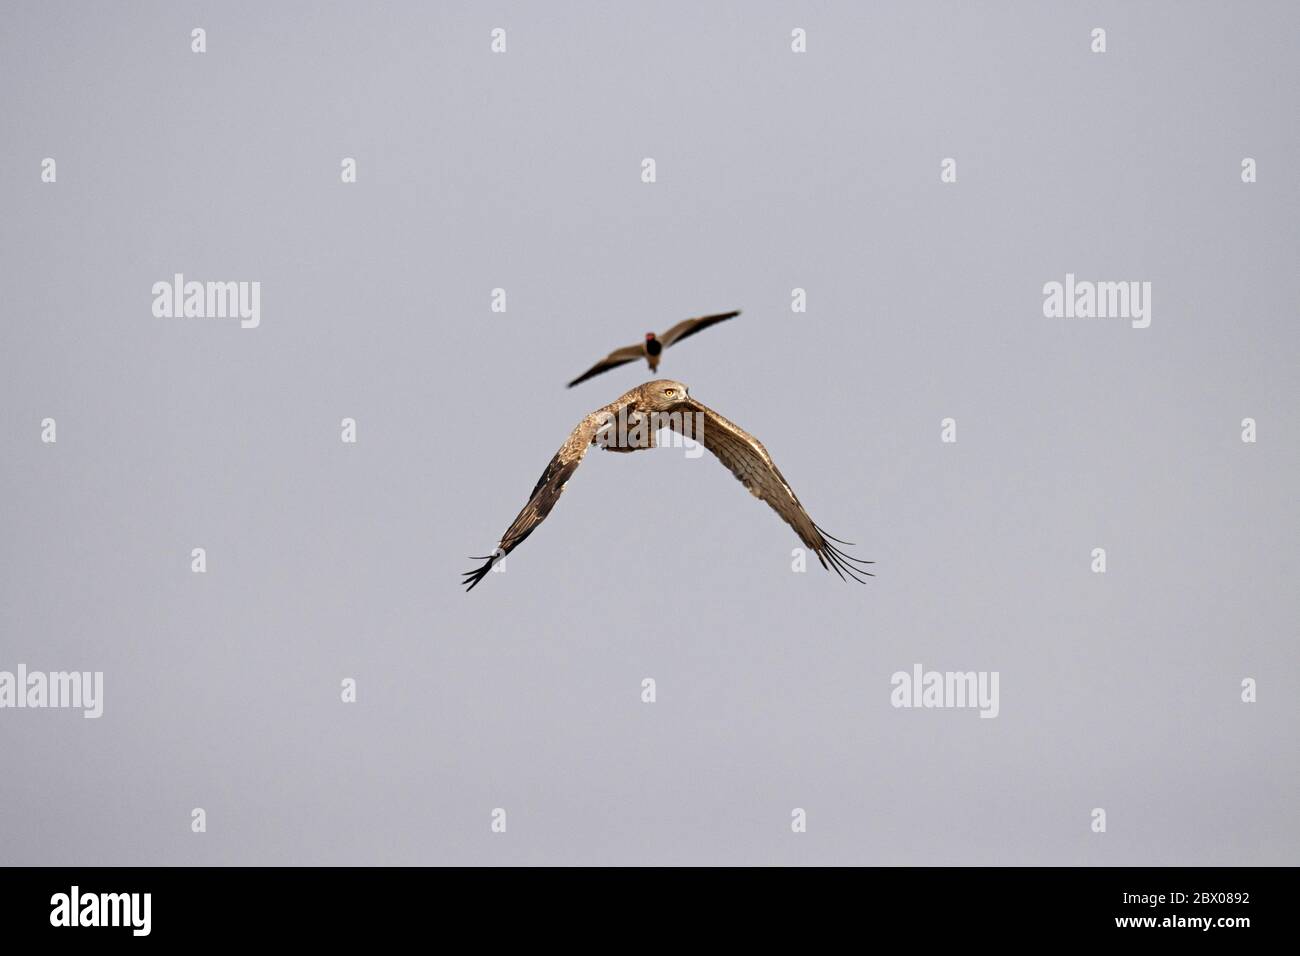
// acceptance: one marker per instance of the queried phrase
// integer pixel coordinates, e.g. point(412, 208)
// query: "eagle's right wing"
point(547, 490)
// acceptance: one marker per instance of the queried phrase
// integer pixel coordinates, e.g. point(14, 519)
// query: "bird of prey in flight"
point(651, 348)
point(661, 404)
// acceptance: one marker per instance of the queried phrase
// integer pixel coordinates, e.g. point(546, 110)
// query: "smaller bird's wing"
point(690, 326)
point(547, 490)
point(613, 360)
point(749, 461)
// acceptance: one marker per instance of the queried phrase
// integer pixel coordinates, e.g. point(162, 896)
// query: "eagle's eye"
point(670, 392)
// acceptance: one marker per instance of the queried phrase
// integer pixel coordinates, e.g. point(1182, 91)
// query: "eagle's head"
point(662, 395)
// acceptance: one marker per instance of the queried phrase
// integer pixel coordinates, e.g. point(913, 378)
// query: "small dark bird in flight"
point(651, 348)
point(647, 408)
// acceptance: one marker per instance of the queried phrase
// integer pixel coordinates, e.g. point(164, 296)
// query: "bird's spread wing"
point(689, 327)
point(749, 461)
point(613, 360)
point(546, 492)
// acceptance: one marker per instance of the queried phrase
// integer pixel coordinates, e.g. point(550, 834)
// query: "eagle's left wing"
point(749, 461)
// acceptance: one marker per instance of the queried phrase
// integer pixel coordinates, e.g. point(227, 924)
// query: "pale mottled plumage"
point(740, 451)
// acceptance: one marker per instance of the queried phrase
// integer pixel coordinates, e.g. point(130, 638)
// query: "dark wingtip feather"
point(472, 578)
point(827, 534)
point(837, 559)
point(842, 562)
point(849, 557)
